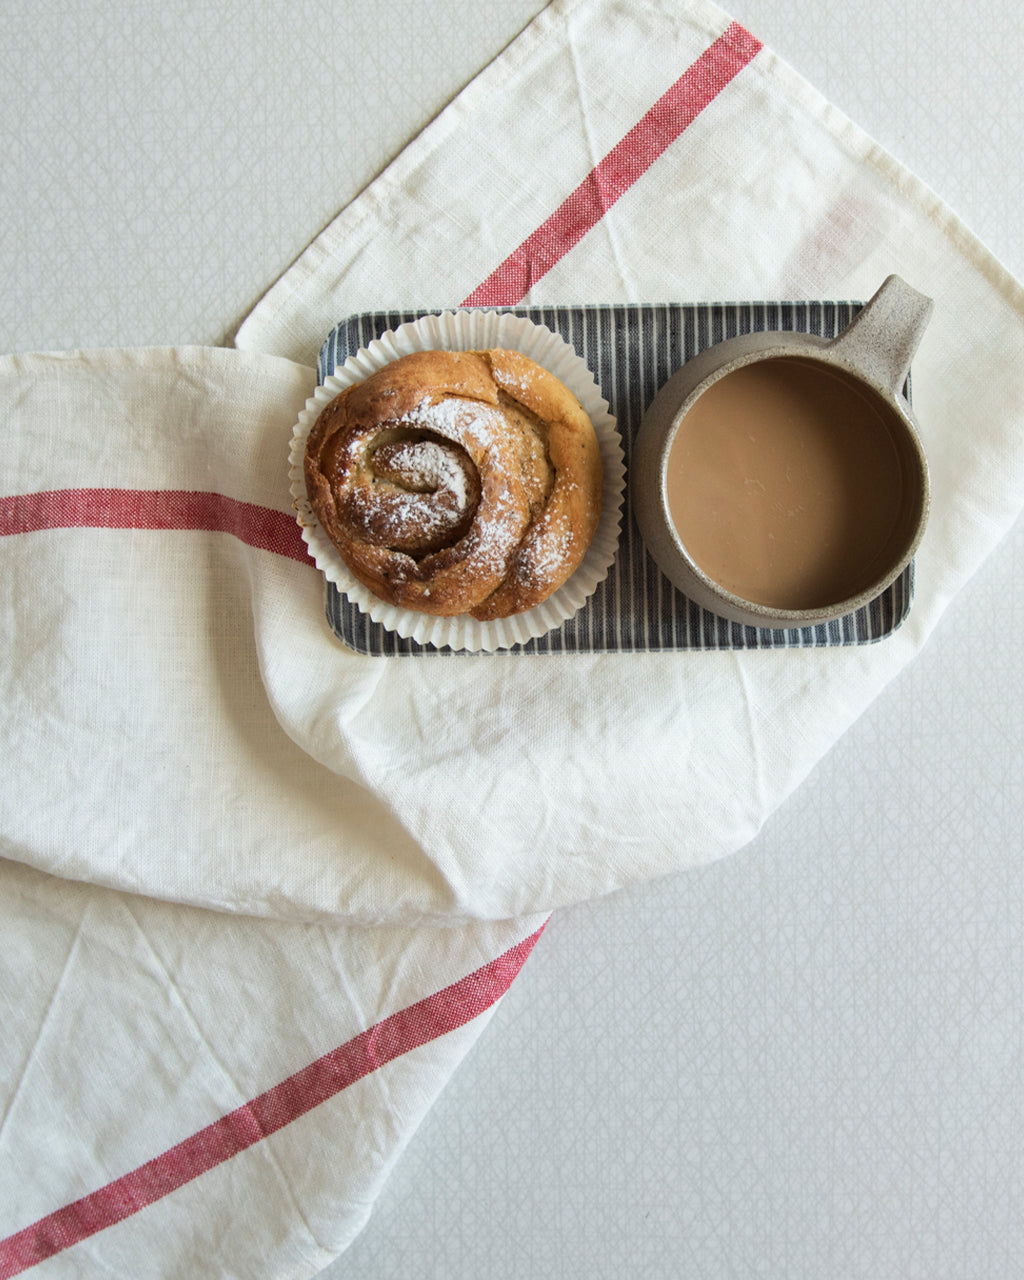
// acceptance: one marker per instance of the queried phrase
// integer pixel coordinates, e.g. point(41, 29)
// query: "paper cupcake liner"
point(463, 331)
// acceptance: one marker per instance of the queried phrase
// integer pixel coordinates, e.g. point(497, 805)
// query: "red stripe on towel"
point(321, 1080)
point(628, 160)
point(260, 527)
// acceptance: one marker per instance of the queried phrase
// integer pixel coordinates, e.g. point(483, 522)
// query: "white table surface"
point(806, 1061)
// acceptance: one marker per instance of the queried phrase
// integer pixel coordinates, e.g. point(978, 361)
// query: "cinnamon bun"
point(457, 482)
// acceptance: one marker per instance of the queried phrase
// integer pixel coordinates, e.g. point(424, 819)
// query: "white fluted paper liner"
point(462, 331)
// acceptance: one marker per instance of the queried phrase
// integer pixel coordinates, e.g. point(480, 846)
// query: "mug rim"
point(816, 351)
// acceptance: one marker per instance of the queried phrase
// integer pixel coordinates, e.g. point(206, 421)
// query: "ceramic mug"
point(778, 479)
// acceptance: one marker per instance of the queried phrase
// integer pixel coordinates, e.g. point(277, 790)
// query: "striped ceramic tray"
point(632, 350)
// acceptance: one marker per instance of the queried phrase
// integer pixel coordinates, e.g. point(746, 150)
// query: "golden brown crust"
point(457, 482)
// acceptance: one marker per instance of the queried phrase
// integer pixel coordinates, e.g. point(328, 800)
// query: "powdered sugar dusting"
point(451, 417)
point(515, 377)
point(546, 559)
point(513, 385)
point(424, 466)
point(410, 495)
point(407, 521)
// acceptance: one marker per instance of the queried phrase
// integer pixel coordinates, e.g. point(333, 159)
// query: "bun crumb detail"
point(457, 482)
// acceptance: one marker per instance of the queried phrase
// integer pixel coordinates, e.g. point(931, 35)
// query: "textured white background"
point(807, 1061)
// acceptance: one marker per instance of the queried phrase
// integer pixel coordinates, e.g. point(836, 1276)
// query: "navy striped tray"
point(632, 350)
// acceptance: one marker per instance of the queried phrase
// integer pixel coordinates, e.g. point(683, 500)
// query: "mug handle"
point(879, 343)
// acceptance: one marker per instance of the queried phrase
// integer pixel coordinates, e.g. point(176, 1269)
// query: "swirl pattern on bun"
point(457, 482)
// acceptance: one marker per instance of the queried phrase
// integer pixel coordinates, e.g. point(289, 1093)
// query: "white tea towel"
point(185, 1093)
point(492, 787)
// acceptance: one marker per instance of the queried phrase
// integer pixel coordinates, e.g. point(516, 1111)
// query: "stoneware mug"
point(778, 479)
